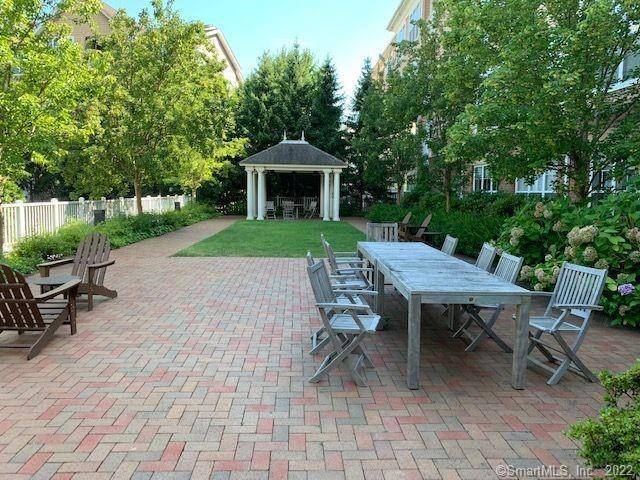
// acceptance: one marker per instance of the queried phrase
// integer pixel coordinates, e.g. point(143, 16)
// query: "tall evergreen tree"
point(277, 98)
point(326, 115)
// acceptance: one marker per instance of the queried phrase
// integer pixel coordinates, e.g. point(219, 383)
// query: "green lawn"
point(276, 238)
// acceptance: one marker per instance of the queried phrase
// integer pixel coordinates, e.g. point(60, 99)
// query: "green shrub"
point(472, 226)
point(603, 234)
point(612, 442)
point(124, 230)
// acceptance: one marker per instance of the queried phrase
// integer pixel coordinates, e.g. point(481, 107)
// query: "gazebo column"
point(250, 194)
point(261, 193)
point(321, 203)
point(326, 202)
point(336, 195)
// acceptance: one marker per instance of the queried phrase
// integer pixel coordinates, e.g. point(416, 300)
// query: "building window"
point(400, 36)
point(482, 181)
point(413, 30)
point(544, 184)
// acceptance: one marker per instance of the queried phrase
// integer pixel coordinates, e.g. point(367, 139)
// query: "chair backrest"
point(270, 205)
point(95, 248)
point(320, 283)
point(509, 267)
point(449, 245)
point(382, 232)
point(486, 256)
point(425, 224)
point(406, 219)
point(18, 308)
point(578, 285)
point(328, 249)
point(313, 204)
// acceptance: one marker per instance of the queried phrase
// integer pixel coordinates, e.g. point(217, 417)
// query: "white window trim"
point(531, 189)
point(492, 185)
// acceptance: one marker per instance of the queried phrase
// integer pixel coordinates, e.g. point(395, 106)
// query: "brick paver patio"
point(197, 370)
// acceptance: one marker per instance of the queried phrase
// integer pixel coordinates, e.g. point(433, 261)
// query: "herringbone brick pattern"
point(197, 370)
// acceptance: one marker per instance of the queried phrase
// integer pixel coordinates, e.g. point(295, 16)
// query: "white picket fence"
point(25, 219)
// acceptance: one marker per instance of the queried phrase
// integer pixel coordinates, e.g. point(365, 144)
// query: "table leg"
point(378, 284)
point(454, 317)
point(521, 344)
point(413, 343)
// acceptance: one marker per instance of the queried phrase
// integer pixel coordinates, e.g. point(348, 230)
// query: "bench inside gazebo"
point(291, 156)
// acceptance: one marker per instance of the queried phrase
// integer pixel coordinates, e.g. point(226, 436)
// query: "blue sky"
point(346, 30)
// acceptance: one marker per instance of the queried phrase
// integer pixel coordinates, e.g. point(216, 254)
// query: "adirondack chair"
point(270, 208)
point(422, 233)
point(382, 232)
point(21, 311)
point(312, 211)
point(339, 284)
point(89, 265)
point(449, 245)
point(403, 227)
point(348, 263)
point(288, 210)
point(486, 257)
point(508, 269)
point(346, 326)
point(577, 293)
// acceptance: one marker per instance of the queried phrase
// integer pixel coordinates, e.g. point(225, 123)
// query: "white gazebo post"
point(325, 206)
point(336, 195)
point(321, 204)
point(250, 194)
point(261, 193)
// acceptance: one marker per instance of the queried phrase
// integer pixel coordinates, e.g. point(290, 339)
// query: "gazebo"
point(293, 156)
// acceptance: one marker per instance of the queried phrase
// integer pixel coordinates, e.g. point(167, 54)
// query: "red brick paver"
point(198, 368)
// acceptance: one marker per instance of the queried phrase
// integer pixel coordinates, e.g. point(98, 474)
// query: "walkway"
point(197, 370)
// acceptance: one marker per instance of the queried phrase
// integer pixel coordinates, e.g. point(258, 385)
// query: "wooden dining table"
point(425, 275)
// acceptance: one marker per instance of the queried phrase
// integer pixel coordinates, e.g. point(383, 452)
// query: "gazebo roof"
point(293, 152)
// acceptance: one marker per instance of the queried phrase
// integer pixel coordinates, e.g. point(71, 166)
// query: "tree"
point(546, 101)
point(44, 75)
point(278, 97)
point(326, 114)
point(355, 149)
point(167, 107)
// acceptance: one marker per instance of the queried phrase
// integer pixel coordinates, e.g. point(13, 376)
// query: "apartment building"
point(86, 34)
point(403, 27)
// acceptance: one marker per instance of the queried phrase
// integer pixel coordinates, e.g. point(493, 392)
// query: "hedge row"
point(124, 230)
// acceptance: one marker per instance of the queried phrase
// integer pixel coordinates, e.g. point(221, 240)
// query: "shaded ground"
point(198, 370)
point(275, 238)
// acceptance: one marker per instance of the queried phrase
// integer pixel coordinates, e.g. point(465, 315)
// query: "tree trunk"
point(578, 174)
point(137, 188)
point(194, 191)
point(399, 192)
point(447, 189)
point(1, 229)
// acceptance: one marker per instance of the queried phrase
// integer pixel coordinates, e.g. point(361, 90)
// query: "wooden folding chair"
point(344, 294)
point(449, 245)
point(270, 208)
point(21, 311)
point(312, 211)
point(89, 265)
point(288, 210)
point(508, 269)
point(346, 326)
point(577, 293)
point(382, 232)
point(486, 257)
point(348, 263)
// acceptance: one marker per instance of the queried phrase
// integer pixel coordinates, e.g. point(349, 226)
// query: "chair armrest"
point(97, 266)
point(349, 260)
point(371, 293)
point(345, 285)
point(43, 268)
point(345, 254)
point(345, 306)
point(355, 269)
point(579, 307)
point(67, 287)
